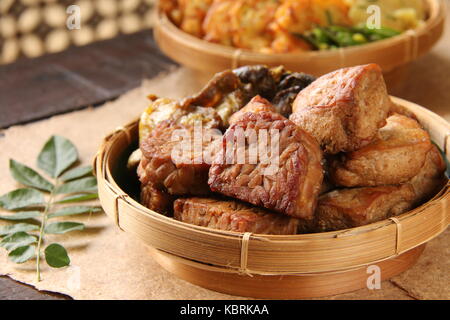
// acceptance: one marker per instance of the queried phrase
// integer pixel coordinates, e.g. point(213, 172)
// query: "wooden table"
point(35, 89)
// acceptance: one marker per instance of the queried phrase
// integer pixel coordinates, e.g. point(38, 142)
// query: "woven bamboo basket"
point(391, 54)
point(270, 266)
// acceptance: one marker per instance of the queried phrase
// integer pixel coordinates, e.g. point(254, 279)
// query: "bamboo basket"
point(271, 266)
point(392, 54)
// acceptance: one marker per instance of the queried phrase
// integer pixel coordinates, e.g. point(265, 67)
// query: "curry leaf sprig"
point(35, 208)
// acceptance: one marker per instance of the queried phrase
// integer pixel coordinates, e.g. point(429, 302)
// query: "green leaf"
point(22, 254)
point(56, 256)
point(88, 184)
point(57, 155)
point(78, 198)
point(76, 173)
point(21, 215)
point(67, 211)
point(63, 227)
point(28, 176)
point(21, 198)
point(10, 229)
point(16, 240)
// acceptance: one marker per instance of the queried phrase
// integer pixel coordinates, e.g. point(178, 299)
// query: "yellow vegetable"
point(400, 15)
point(158, 110)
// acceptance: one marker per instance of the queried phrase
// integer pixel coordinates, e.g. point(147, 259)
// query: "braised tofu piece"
point(256, 105)
point(348, 208)
point(176, 159)
point(396, 155)
point(344, 109)
point(431, 177)
point(232, 215)
point(268, 161)
point(399, 109)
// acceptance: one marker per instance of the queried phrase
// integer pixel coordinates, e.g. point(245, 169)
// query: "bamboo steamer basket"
point(271, 266)
point(392, 54)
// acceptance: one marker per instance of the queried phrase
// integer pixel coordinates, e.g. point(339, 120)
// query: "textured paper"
point(109, 264)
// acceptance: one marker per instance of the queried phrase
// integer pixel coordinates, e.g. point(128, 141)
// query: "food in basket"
point(344, 109)
point(233, 216)
point(226, 93)
point(290, 179)
point(230, 90)
point(346, 157)
point(348, 208)
point(280, 26)
point(395, 155)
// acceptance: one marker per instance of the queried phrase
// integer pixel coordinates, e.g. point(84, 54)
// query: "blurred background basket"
point(391, 54)
point(268, 266)
point(31, 28)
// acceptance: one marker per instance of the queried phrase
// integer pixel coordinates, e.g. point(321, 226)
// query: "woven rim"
point(411, 44)
point(272, 254)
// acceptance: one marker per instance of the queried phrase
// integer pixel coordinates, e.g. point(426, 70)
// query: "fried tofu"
point(431, 177)
point(348, 208)
point(344, 109)
point(396, 155)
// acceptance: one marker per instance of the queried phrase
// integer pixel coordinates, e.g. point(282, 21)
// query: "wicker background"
point(30, 28)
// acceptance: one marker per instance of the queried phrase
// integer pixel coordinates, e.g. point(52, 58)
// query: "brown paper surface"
point(109, 264)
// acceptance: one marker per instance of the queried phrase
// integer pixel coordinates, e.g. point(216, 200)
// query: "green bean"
point(334, 36)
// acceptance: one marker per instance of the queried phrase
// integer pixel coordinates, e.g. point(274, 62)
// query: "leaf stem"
point(48, 205)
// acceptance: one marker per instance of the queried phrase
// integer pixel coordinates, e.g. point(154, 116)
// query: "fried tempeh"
point(288, 180)
point(175, 160)
point(233, 215)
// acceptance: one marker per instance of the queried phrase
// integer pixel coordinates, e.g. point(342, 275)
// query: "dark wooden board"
point(12, 290)
point(34, 89)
